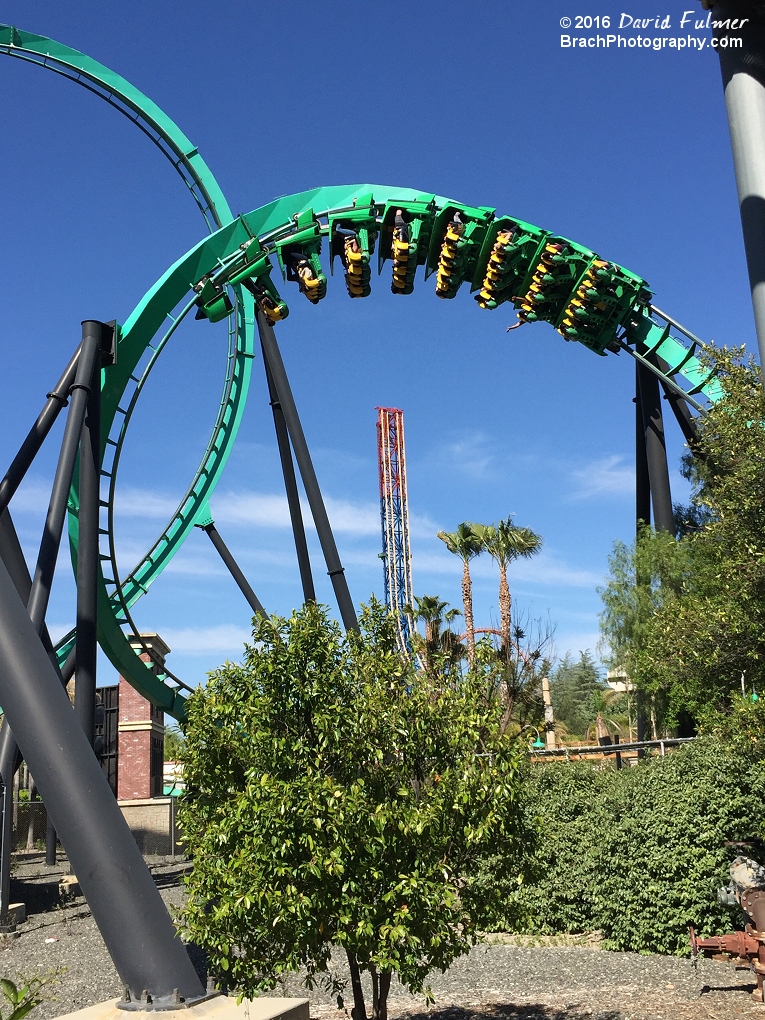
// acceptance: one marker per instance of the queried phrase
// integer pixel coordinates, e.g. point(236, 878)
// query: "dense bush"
point(336, 798)
point(638, 853)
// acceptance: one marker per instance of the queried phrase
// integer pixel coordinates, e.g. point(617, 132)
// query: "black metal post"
point(656, 451)
point(743, 73)
point(86, 647)
point(642, 481)
point(10, 757)
point(684, 418)
point(5, 876)
point(57, 399)
point(233, 566)
point(335, 570)
point(54, 522)
point(290, 484)
point(50, 841)
point(121, 894)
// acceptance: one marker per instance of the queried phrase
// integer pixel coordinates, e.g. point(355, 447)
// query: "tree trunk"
point(359, 1011)
point(381, 1007)
point(467, 605)
point(505, 605)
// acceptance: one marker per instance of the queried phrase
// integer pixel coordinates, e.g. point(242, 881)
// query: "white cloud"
point(545, 569)
point(32, 496)
point(272, 511)
point(144, 503)
point(59, 630)
point(609, 476)
point(471, 454)
point(195, 566)
point(226, 638)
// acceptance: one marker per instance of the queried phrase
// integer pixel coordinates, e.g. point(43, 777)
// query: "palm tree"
point(437, 642)
point(465, 543)
point(506, 542)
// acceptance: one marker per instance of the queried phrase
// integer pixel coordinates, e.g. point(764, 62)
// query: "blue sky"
point(623, 150)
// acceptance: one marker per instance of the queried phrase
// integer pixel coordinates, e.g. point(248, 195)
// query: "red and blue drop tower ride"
point(394, 513)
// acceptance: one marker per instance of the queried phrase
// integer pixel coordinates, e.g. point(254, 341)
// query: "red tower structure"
point(394, 513)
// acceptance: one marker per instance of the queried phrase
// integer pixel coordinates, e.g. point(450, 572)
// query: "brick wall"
point(141, 735)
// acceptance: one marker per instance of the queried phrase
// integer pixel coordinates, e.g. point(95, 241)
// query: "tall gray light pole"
point(743, 73)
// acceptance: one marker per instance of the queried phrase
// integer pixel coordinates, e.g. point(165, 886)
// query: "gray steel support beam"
point(335, 569)
point(126, 905)
point(54, 521)
point(51, 839)
point(234, 569)
point(642, 481)
point(290, 484)
point(57, 399)
point(656, 451)
point(10, 758)
point(86, 647)
point(743, 74)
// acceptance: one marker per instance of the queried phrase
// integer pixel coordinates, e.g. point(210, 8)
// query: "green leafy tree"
point(338, 798)
point(516, 678)
point(506, 542)
point(574, 687)
point(440, 648)
point(465, 543)
point(687, 618)
point(643, 577)
point(174, 741)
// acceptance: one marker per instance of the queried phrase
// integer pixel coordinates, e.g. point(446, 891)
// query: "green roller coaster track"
point(504, 260)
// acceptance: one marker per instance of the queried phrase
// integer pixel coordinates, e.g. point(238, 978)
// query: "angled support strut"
point(305, 465)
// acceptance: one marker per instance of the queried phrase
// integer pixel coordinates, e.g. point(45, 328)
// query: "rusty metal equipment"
point(746, 888)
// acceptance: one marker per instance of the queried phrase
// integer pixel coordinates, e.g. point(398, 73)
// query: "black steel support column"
point(642, 481)
point(86, 648)
point(51, 839)
point(233, 566)
point(10, 757)
point(57, 399)
point(290, 484)
point(743, 73)
point(684, 418)
point(335, 570)
point(120, 891)
point(7, 835)
point(656, 452)
point(54, 521)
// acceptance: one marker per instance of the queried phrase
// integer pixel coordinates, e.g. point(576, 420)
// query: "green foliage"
point(441, 650)
point(687, 618)
point(336, 797)
point(22, 1000)
point(643, 577)
point(573, 690)
point(639, 853)
point(174, 743)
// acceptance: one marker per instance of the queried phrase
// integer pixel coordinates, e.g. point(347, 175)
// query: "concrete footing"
point(68, 887)
point(222, 1007)
point(17, 913)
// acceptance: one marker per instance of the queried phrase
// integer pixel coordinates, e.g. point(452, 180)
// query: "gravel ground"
point(496, 981)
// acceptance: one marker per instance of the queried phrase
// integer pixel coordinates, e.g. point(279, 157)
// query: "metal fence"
point(152, 822)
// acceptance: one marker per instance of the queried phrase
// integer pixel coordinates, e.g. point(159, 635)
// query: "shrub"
point(336, 797)
point(637, 853)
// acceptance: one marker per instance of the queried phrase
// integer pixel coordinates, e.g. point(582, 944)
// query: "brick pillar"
point(141, 740)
